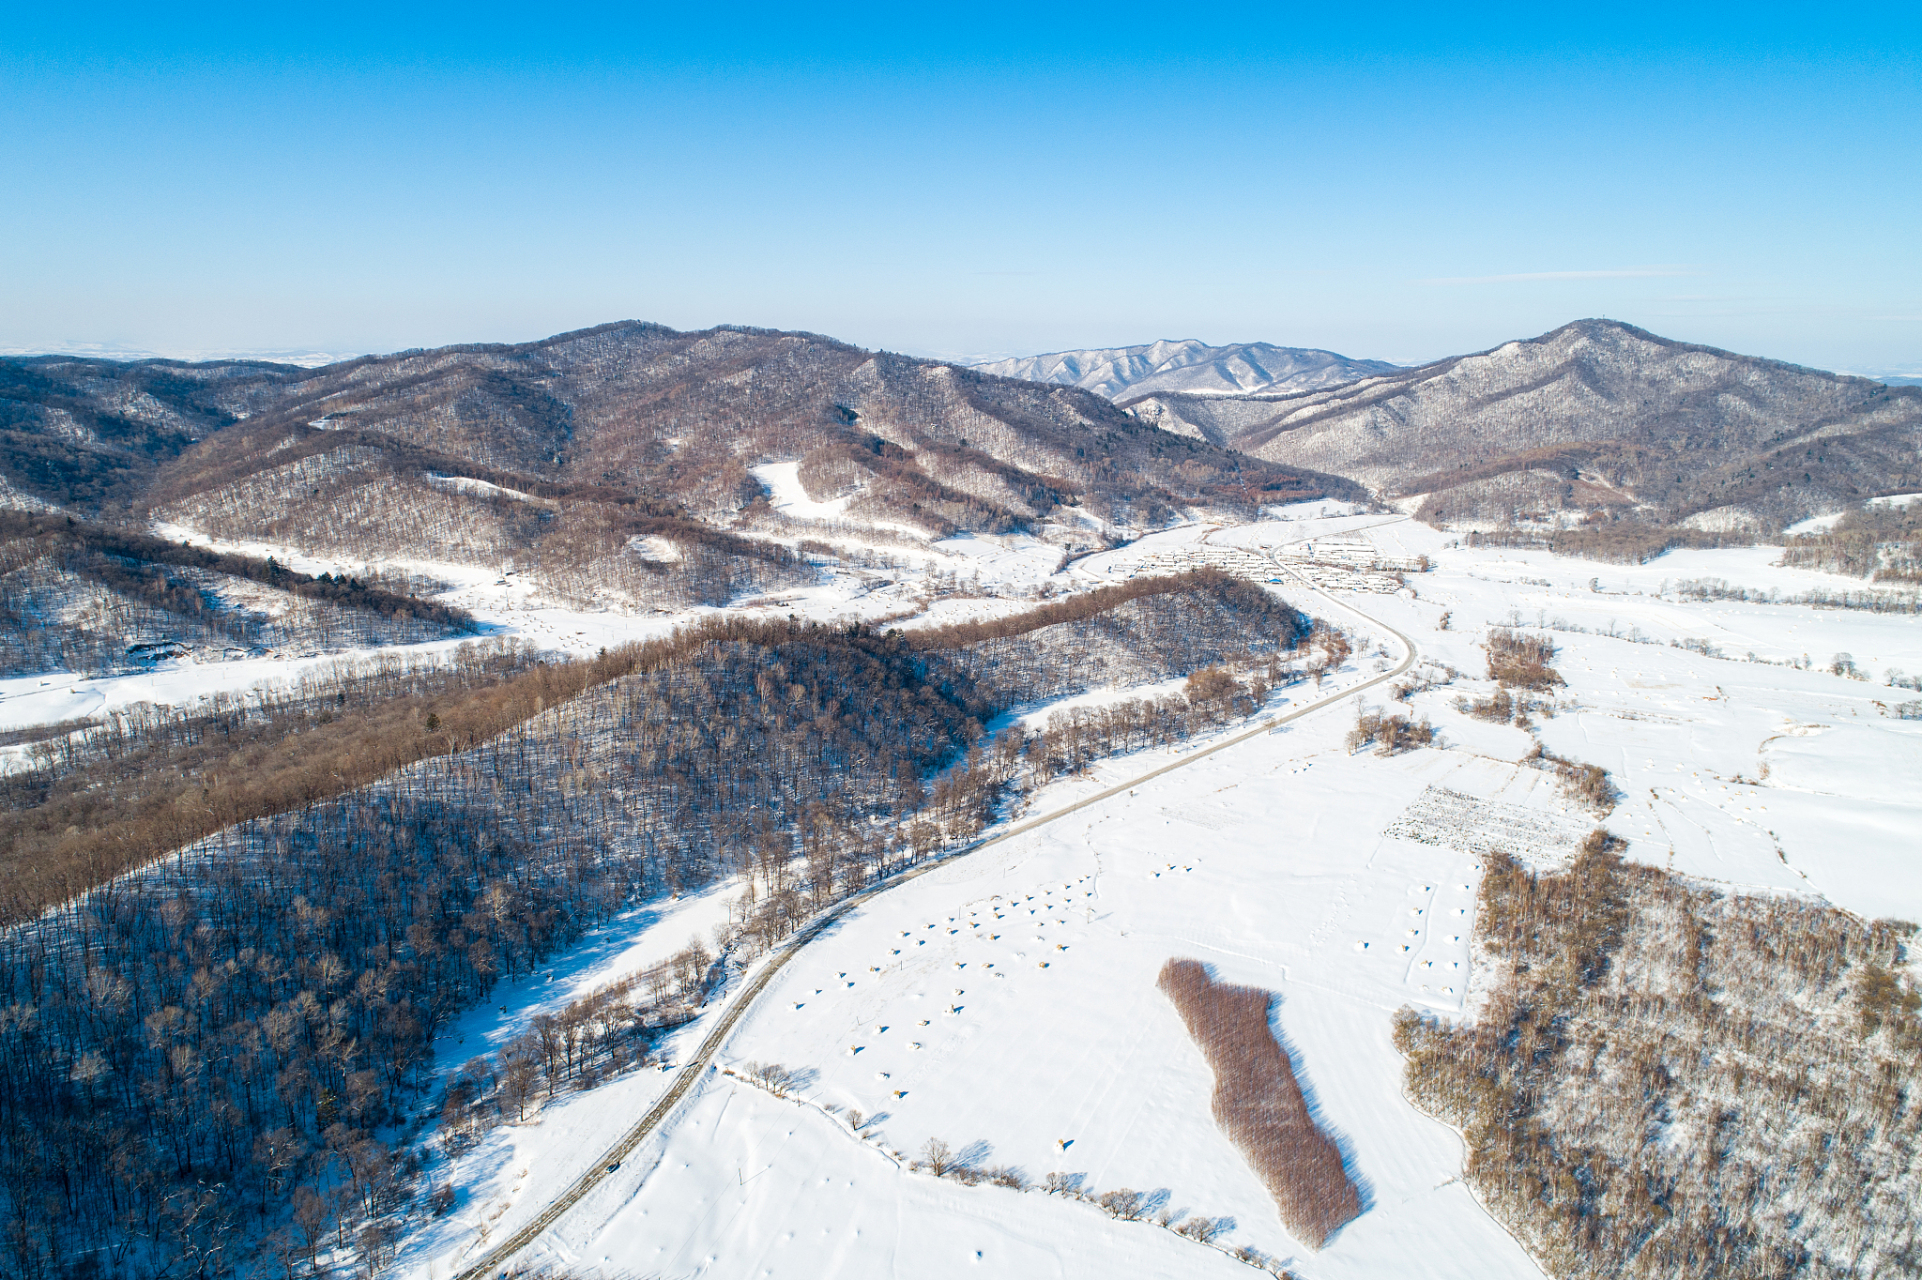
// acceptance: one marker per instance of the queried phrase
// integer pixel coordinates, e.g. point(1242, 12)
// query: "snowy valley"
point(835, 839)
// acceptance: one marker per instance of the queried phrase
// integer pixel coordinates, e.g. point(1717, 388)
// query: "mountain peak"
point(1592, 419)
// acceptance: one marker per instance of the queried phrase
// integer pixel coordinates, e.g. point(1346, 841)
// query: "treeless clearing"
point(1259, 1105)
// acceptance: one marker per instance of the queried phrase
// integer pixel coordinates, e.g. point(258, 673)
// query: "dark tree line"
point(140, 553)
point(1620, 541)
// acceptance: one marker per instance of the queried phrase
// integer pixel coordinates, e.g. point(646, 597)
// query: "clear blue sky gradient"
point(1401, 184)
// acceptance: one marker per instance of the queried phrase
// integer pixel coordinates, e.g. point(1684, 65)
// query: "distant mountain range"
point(1190, 367)
point(1594, 419)
point(572, 457)
point(304, 357)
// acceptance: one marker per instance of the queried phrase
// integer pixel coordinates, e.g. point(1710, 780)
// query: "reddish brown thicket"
point(1395, 733)
point(1259, 1105)
point(1519, 659)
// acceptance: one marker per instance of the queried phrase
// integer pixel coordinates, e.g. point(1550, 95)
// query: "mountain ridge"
point(1190, 366)
point(1593, 420)
point(591, 443)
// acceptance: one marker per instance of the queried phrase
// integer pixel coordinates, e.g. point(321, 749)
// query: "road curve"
point(692, 1070)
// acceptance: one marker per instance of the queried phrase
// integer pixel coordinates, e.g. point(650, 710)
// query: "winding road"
point(495, 1259)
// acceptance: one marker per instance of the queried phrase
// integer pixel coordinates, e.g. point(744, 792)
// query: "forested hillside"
point(88, 598)
point(89, 434)
point(207, 1060)
point(1594, 423)
point(612, 463)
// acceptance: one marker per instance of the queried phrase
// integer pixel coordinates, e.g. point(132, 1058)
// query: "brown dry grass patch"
point(1259, 1105)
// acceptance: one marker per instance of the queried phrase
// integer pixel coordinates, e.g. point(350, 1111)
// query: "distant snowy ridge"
point(301, 356)
point(1190, 366)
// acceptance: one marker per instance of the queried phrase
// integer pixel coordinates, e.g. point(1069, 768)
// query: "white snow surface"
point(1006, 1003)
point(479, 488)
point(787, 495)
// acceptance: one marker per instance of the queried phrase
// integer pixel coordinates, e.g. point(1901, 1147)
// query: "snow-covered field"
point(1006, 1003)
point(1009, 1001)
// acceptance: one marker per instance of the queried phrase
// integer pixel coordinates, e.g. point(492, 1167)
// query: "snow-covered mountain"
point(1592, 417)
point(1192, 367)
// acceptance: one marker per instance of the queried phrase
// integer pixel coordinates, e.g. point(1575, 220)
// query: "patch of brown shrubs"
point(1395, 733)
point(1520, 660)
point(1670, 1080)
point(1259, 1105)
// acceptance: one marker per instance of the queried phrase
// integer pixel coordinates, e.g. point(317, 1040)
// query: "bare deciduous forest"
point(1620, 541)
point(1883, 544)
point(84, 597)
point(224, 1046)
point(1880, 543)
point(1667, 1080)
point(97, 800)
point(1258, 1103)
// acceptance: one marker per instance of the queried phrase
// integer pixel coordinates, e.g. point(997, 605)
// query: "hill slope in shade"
point(1593, 420)
point(1190, 367)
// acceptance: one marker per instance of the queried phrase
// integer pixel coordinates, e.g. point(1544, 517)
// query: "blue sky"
point(1400, 184)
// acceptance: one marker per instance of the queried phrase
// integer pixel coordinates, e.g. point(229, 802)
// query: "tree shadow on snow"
point(1311, 1099)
